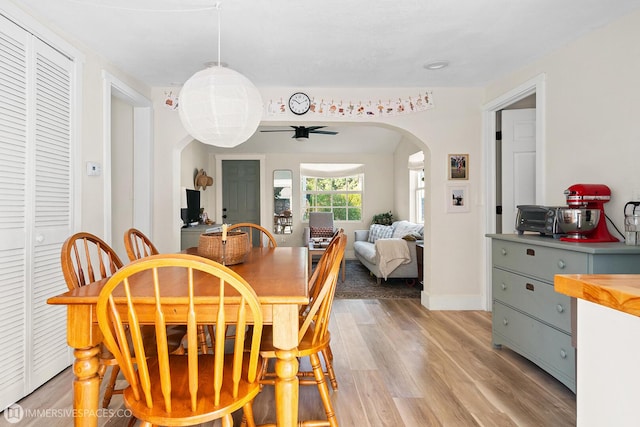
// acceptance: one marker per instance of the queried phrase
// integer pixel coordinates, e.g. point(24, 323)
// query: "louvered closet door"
point(35, 209)
point(51, 214)
point(13, 166)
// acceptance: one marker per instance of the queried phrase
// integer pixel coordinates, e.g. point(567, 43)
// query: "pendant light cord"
point(218, 10)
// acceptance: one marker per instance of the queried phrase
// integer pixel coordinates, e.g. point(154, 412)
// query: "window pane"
point(340, 214)
point(339, 200)
point(324, 184)
point(353, 184)
point(340, 184)
point(355, 200)
point(310, 184)
point(355, 214)
point(323, 200)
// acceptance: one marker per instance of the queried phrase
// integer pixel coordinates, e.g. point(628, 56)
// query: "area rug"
point(359, 284)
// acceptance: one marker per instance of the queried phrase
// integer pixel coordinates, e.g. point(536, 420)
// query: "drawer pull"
point(563, 354)
point(503, 286)
point(529, 287)
point(560, 308)
point(503, 251)
point(505, 322)
point(531, 252)
point(561, 264)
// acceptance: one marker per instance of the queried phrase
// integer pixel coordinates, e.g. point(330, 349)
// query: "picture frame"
point(458, 166)
point(457, 198)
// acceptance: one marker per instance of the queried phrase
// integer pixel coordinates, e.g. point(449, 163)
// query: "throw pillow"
point(321, 232)
point(379, 231)
point(402, 228)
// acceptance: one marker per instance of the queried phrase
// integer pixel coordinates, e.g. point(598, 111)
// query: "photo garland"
point(361, 109)
point(325, 108)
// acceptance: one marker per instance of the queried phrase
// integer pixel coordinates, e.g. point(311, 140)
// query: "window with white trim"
point(332, 187)
point(417, 189)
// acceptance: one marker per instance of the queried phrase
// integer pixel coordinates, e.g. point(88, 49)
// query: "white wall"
point(593, 113)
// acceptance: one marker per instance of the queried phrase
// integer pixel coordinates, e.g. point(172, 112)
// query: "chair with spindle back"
point(256, 233)
point(85, 258)
point(313, 336)
point(180, 390)
point(138, 245)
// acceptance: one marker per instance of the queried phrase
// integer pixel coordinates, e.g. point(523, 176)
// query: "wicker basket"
point(235, 251)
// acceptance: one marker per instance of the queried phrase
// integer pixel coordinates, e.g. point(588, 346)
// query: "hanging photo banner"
point(360, 109)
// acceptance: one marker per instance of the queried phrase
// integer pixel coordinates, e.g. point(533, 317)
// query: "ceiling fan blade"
point(313, 128)
point(324, 132)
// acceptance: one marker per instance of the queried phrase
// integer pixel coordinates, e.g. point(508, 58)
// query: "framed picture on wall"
point(458, 166)
point(457, 198)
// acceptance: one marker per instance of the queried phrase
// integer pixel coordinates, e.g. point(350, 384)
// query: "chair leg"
point(328, 361)
point(323, 389)
point(227, 421)
point(108, 391)
point(247, 416)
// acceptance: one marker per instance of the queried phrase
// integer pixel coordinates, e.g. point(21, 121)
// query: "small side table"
point(420, 260)
point(319, 251)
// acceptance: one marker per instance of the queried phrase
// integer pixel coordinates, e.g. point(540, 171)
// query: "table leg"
point(86, 386)
point(286, 388)
point(85, 338)
point(344, 269)
point(285, 339)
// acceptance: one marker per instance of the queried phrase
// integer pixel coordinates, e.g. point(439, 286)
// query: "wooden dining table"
point(278, 276)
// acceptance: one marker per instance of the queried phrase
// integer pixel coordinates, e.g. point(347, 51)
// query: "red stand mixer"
point(584, 220)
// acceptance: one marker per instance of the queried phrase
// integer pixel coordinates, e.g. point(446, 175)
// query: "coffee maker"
point(584, 219)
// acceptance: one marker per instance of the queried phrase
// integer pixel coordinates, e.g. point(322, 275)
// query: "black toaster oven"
point(538, 219)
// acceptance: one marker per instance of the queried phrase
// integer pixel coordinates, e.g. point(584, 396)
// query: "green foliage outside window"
point(342, 196)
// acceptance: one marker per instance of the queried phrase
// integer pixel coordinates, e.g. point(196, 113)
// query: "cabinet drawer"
point(537, 261)
point(547, 347)
point(533, 297)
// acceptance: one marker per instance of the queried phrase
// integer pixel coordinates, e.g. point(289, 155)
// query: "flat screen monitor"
point(193, 205)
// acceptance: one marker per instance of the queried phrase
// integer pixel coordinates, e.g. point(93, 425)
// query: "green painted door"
point(241, 191)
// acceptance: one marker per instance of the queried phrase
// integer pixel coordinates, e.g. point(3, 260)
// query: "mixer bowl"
point(578, 222)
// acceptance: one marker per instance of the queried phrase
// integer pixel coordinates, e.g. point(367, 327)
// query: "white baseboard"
point(452, 302)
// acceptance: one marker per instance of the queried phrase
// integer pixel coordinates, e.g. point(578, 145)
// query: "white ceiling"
point(327, 43)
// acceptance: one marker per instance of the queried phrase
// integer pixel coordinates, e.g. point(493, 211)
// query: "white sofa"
point(366, 251)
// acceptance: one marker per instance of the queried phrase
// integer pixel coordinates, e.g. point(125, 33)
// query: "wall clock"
point(299, 103)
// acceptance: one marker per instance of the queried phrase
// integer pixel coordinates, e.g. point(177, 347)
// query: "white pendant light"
point(219, 106)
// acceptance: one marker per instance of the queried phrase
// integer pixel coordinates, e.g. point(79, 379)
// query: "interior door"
point(241, 191)
point(518, 163)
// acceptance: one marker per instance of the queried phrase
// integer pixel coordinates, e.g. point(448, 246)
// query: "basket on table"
point(235, 251)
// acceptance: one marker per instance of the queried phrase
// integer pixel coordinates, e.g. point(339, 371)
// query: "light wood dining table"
point(278, 276)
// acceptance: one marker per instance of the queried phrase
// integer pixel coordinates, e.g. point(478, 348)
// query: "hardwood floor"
point(398, 364)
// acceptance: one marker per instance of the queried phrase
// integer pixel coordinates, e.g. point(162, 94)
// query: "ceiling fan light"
point(221, 107)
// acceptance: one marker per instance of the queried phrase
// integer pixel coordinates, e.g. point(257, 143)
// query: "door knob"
point(39, 238)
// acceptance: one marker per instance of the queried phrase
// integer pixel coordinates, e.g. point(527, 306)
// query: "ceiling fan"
point(302, 132)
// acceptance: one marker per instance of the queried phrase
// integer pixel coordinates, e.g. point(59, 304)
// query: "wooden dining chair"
point(313, 336)
point(85, 258)
point(180, 390)
point(138, 245)
point(256, 234)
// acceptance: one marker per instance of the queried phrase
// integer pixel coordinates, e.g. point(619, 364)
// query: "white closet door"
point(35, 208)
point(13, 211)
point(51, 213)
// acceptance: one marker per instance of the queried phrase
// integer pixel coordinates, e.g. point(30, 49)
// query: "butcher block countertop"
point(617, 291)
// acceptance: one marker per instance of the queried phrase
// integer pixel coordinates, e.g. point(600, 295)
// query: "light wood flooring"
point(398, 365)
